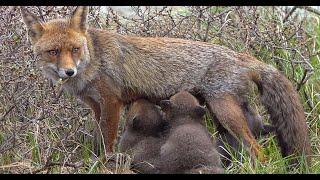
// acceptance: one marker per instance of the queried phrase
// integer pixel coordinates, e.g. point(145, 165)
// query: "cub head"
point(144, 118)
point(182, 104)
point(61, 43)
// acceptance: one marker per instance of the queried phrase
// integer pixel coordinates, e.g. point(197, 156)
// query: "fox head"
point(61, 43)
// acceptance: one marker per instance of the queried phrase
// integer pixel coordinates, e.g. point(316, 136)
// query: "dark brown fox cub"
point(228, 145)
point(143, 136)
point(107, 70)
point(189, 148)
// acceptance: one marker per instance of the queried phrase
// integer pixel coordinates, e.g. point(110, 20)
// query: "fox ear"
point(165, 105)
point(78, 19)
point(34, 25)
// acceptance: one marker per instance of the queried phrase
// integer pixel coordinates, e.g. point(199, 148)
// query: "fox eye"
point(75, 50)
point(53, 52)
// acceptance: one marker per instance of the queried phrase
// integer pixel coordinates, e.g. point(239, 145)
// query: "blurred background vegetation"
point(44, 130)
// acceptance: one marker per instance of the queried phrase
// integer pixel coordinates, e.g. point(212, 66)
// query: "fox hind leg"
point(227, 111)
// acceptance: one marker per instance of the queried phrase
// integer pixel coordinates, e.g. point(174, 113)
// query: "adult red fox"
point(106, 70)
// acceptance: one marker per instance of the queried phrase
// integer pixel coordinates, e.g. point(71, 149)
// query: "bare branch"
point(289, 14)
point(310, 9)
point(7, 112)
point(49, 164)
point(40, 12)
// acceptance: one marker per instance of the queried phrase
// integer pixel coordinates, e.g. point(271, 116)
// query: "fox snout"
point(67, 72)
point(53, 70)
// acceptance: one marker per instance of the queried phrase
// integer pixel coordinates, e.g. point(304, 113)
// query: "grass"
point(275, 163)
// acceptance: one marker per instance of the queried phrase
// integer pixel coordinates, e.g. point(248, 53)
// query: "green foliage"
point(34, 146)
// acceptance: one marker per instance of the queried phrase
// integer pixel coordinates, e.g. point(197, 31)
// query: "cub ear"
point(165, 105)
point(79, 18)
point(34, 25)
point(199, 112)
point(136, 123)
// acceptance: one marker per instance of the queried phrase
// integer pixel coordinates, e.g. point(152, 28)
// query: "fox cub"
point(189, 147)
point(143, 136)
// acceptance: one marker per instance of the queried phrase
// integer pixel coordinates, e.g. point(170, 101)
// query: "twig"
point(307, 99)
point(177, 24)
point(60, 92)
point(199, 22)
point(40, 12)
point(289, 14)
point(4, 116)
point(220, 14)
point(74, 165)
point(302, 80)
point(310, 9)
point(303, 58)
point(51, 163)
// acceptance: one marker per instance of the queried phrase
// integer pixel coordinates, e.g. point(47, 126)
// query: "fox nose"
point(69, 72)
